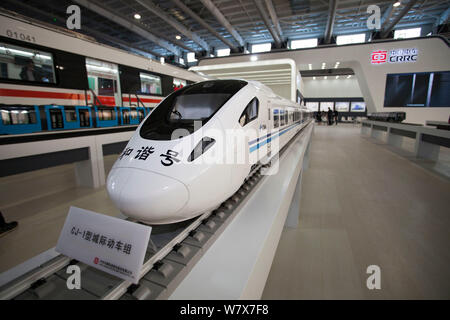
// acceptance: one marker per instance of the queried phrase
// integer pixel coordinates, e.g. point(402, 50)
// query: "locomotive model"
point(198, 146)
point(387, 116)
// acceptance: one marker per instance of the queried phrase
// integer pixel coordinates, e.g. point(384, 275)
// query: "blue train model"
point(20, 119)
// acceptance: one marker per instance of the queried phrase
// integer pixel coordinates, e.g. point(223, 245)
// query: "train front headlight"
point(201, 148)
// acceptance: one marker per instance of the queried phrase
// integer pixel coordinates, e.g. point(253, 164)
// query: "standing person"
point(29, 72)
point(336, 114)
point(330, 117)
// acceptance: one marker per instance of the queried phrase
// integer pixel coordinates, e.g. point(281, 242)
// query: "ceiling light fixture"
point(137, 16)
point(397, 4)
point(177, 37)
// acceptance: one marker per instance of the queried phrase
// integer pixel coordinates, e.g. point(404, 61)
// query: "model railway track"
point(178, 247)
point(162, 262)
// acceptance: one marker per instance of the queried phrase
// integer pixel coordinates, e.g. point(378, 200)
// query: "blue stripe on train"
point(273, 136)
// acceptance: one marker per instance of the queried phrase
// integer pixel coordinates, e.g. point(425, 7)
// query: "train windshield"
point(183, 108)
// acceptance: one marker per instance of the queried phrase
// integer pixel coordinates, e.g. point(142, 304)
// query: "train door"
point(125, 116)
point(84, 118)
point(56, 119)
point(141, 114)
point(103, 79)
point(134, 116)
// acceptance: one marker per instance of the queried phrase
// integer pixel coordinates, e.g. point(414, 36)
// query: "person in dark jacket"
point(330, 117)
point(29, 72)
point(336, 115)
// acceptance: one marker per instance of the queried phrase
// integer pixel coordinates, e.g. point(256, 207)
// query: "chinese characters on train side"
point(144, 153)
point(169, 158)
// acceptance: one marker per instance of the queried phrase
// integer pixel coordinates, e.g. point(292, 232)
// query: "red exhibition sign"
point(379, 57)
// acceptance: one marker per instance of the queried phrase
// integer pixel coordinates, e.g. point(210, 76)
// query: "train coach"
point(163, 176)
point(387, 116)
point(20, 119)
point(62, 80)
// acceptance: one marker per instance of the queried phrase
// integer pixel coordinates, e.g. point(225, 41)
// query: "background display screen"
point(342, 106)
point(358, 107)
point(425, 89)
point(312, 106)
point(325, 105)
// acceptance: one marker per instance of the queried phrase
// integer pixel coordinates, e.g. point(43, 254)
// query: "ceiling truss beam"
point(387, 27)
point(330, 21)
point(274, 17)
point(202, 22)
point(221, 18)
point(265, 18)
point(126, 23)
point(150, 6)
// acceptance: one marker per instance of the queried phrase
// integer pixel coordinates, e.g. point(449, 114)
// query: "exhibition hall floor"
point(40, 201)
point(363, 204)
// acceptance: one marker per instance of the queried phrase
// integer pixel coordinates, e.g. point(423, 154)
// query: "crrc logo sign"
point(394, 56)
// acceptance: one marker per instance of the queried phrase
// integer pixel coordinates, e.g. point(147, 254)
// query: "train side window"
point(250, 112)
point(150, 84)
point(19, 116)
point(71, 115)
point(6, 119)
point(106, 114)
point(26, 64)
point(276, 118)
point(107, 87)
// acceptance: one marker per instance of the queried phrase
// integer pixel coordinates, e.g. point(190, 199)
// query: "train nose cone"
point(146, 196)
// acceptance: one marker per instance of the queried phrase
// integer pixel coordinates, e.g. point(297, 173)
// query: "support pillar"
point(394, 139)
point(426, 150)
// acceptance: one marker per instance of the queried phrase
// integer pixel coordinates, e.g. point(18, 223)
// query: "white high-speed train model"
point(164, 177)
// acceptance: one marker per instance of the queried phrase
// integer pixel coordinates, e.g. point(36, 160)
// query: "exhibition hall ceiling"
point(164, 28)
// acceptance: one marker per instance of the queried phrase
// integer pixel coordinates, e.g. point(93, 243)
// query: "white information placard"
point(109, 244)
